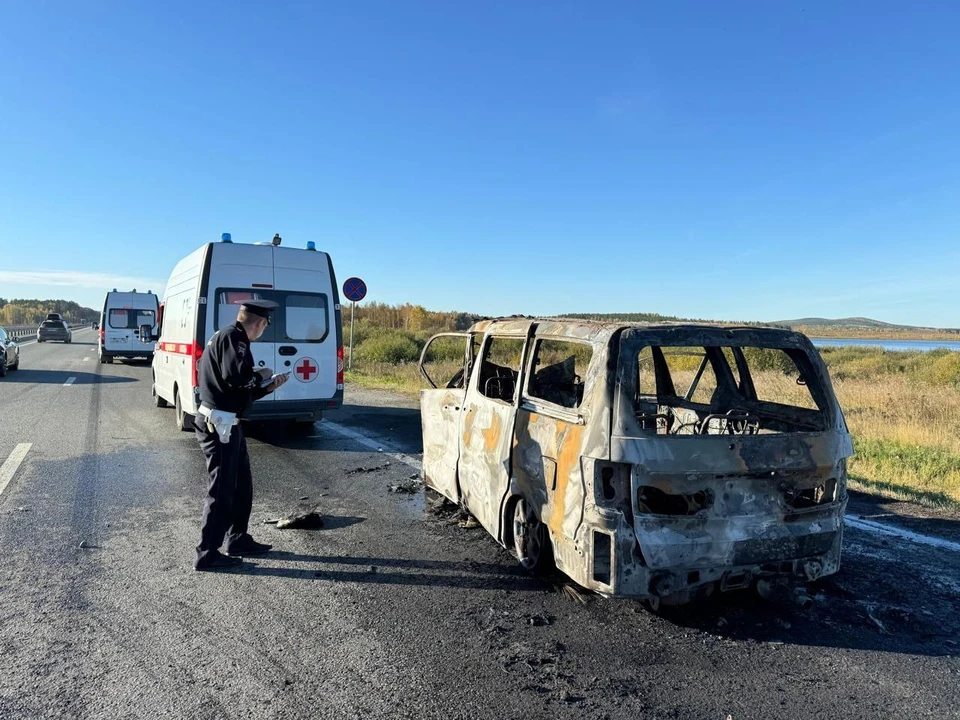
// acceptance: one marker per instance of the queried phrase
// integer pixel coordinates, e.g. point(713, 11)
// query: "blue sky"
point(728, 160)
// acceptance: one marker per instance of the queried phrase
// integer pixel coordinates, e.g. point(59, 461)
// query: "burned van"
point(650, 461)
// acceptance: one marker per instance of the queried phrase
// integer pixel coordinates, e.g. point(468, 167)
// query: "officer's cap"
point(263, 308)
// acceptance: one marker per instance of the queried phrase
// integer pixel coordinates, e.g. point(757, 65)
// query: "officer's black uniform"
point(228, 382)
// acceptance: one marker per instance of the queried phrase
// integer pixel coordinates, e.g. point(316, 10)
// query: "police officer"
point(228, 386)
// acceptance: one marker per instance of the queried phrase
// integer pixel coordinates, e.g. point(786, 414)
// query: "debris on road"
point(572, 593)
point(469, 522)
point(441, 506)
point(305, 519)
point(362, 469)
point(410, 486)
point(84, 545)
point(876, 620)
point(540, 619)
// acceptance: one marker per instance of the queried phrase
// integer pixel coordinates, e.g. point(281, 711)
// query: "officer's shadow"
point(391, 571)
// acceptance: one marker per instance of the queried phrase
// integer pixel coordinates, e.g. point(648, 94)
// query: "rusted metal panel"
point(484, 469)
point(440, 422)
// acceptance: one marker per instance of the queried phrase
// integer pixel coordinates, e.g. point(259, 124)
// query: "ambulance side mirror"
point(146, 334)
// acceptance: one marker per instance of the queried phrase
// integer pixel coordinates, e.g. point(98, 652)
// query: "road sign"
point(354, 289)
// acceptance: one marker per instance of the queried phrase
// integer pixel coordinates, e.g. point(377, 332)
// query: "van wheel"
point(184, 421)
point(531, 543)
point(157, 400)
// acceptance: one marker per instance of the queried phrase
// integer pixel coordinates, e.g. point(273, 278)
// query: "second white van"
point(123, 316)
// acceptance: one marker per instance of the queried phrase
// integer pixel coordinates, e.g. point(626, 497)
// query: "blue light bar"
point(311, 245)
point(225, 237)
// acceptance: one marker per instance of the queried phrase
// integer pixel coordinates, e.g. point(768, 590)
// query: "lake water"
point(911, 345)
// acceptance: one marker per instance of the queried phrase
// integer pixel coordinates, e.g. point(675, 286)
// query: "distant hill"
point(861, 326)
point(654, 318)
point(852, 327)
point(852, 322)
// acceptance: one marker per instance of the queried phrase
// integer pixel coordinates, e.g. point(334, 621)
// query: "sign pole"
point(350, 361)
point(355, 290)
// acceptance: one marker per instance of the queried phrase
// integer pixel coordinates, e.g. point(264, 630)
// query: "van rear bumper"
point(127, 354)
point(299, 410)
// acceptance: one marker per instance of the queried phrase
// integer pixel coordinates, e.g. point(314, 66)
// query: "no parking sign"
point(354, 290)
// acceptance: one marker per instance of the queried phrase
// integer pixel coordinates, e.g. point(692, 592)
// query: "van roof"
point(591, 329)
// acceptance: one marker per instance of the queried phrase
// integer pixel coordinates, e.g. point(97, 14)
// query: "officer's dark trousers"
point(230, 495)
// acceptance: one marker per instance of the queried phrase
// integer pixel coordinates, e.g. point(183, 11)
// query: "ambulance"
point(124, 316)
point(305, 338)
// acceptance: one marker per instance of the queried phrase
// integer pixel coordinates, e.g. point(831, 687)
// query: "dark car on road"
point(9, 353)
point(54, 330)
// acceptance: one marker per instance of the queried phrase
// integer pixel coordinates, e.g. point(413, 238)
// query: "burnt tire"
point(531, 540)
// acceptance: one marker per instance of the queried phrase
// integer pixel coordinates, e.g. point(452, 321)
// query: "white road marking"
point(86, 359)
point(70, 381)
point(372, 444)
point(903, 534)
point(12, 463)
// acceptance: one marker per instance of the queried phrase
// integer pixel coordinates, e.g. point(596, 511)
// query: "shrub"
point(392, 347)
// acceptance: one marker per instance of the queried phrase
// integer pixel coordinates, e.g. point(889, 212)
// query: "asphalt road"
point(391, 611)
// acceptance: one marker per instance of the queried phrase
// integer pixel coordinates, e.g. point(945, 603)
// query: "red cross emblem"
point(306, 369)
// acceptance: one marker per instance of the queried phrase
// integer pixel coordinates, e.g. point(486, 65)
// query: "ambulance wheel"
point(531, 543)
point(157, 400)
point(184, 421)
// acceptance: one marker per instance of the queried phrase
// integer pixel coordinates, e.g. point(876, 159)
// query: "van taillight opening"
point(340, 357)
point(195, 376)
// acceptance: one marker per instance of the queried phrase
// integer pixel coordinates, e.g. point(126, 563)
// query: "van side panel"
point(338, 321)
point(173, 361)
point(554, 457)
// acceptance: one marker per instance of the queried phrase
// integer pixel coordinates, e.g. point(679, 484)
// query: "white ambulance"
point(123, 315)
point(305, 338)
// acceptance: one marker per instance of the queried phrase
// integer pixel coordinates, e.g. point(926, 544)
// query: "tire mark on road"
point(371, 443)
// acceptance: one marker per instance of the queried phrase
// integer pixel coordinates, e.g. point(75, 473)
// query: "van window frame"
point(532, 403)
point(485, 343)
point(276, 332)
point(285, 294)
point(806, 359)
